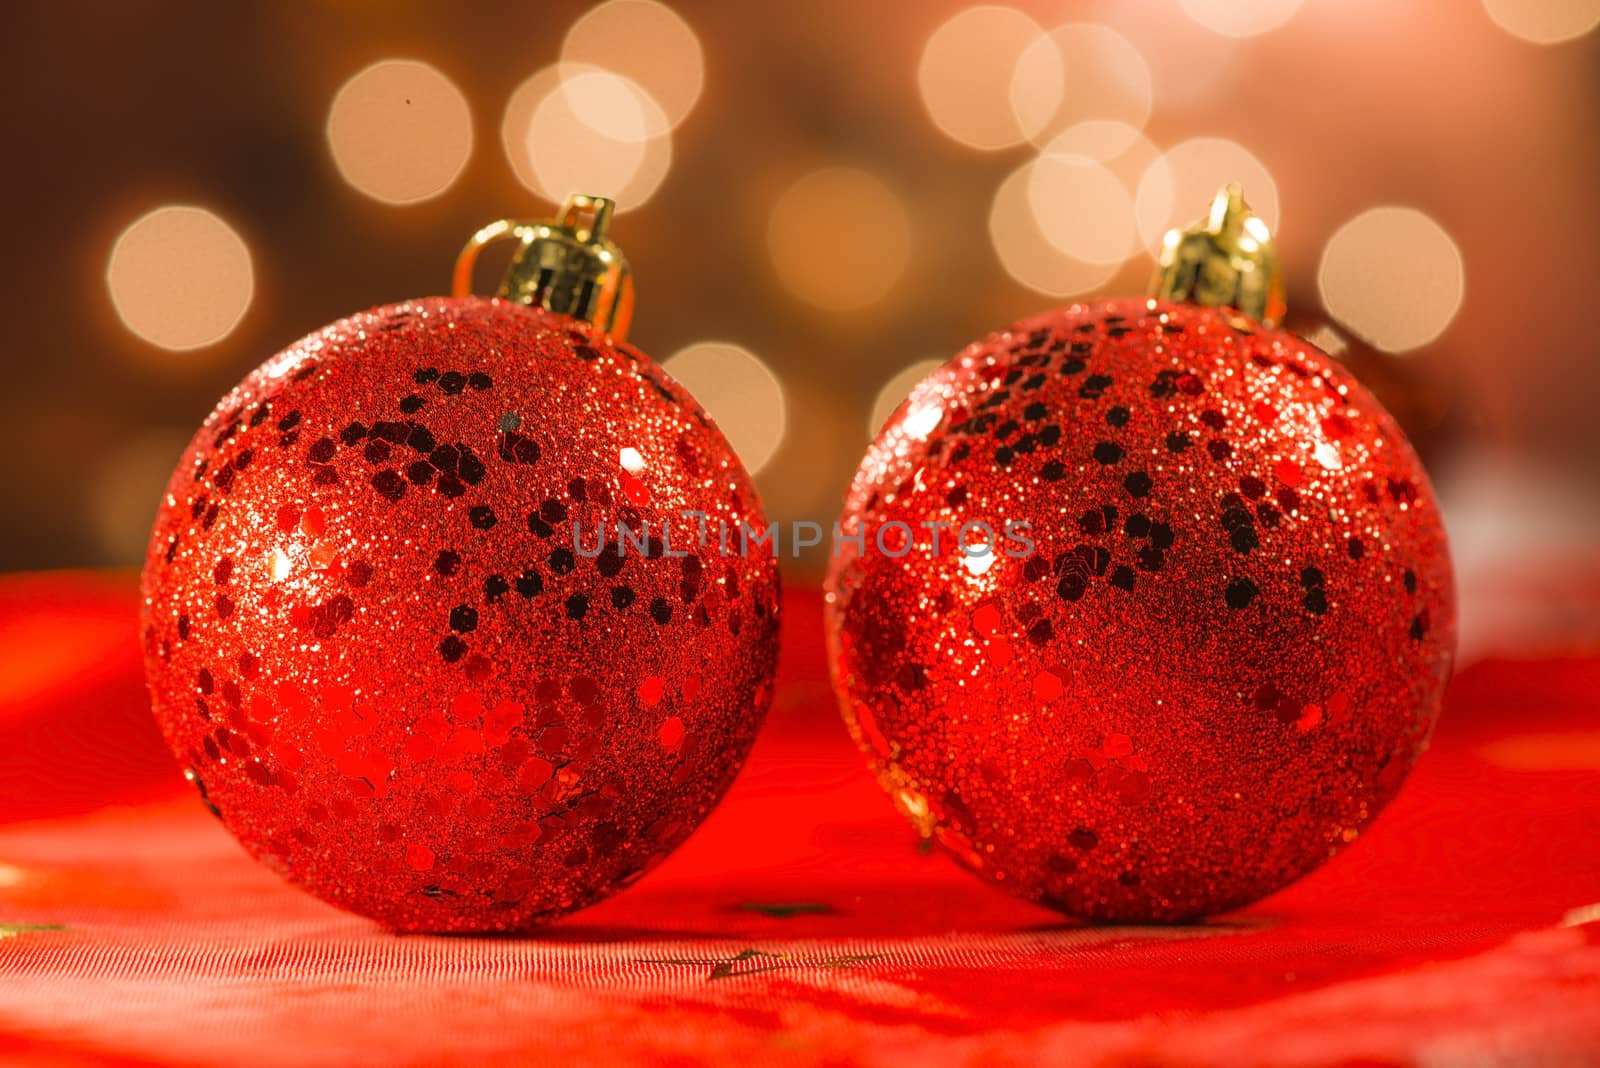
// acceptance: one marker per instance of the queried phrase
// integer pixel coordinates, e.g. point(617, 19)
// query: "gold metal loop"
point(565, 265)
point(1227, 259)
point(461, 282)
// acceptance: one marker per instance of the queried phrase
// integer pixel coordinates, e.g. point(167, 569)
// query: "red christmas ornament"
point(380, 653)
point(1227, 645)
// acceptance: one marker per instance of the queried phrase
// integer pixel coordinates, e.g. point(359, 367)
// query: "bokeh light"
point(1544, 21)
point(1241, 18)
point(574, 128)
point(649, 44)
point(1393, 276)
point(744, 397)
point(1179, 186)
point(1102, 140)
point(400, 131)
point(839, 238)
point(966, 70)
point(180, 277)
point(518, 116)
point(611, 105)
point(1026, 254)
point(1077, 72)
point(1081, 208)
point(1328, 340)
point(897, 389)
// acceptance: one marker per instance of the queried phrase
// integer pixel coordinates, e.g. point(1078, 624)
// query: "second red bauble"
point(1224, 651)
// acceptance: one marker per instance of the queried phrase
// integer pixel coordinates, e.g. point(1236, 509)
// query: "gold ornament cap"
point(565, 265)
point(1227, 259)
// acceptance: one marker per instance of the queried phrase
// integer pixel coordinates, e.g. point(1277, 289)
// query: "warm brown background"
point(123, 107)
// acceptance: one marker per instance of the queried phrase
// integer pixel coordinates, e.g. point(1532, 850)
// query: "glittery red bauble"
point(376, 649)
point(1226, 650)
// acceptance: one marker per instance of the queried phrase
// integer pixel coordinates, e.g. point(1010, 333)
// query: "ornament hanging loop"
point(1227, 259)
point(567, 264)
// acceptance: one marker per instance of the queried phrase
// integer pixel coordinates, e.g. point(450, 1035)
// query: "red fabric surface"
point(802, 924)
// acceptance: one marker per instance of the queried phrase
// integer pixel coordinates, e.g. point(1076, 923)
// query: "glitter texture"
point(375, 649)
point(1226, 651)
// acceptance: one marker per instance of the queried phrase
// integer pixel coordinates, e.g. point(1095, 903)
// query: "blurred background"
point(819, 200)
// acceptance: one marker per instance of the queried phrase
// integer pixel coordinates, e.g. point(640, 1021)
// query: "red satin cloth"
point(802, 924)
